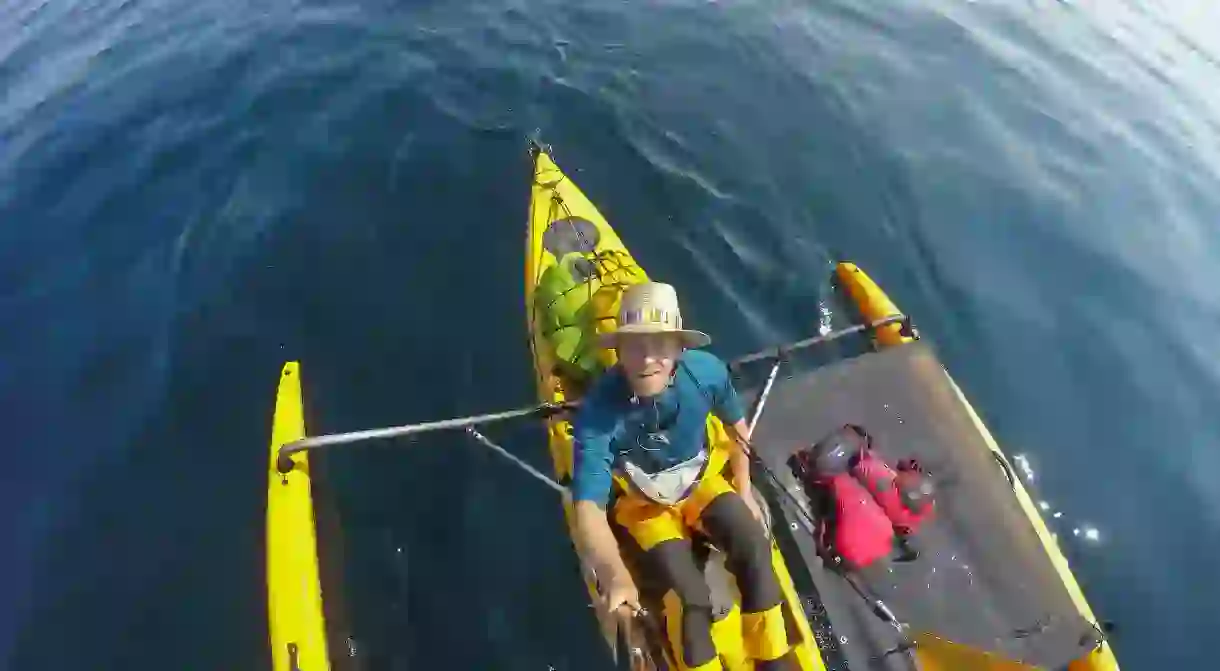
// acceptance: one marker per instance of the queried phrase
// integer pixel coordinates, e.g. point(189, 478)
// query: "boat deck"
point(982, 579)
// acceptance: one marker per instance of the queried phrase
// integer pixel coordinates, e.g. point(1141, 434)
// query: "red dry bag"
point(859, 530)
point(904, 494)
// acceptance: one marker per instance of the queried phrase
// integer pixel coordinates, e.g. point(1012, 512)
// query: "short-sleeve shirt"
point(653, 432)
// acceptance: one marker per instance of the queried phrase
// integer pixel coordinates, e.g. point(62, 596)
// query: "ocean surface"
point(192, 193)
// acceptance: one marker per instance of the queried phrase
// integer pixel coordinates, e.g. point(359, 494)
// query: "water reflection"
point(1084, 531)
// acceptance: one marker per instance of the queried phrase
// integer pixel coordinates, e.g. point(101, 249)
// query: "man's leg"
point(661, 534)
point(731, 526)
point(674, 562)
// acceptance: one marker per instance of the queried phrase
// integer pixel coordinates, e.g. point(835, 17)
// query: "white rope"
point(539, 475)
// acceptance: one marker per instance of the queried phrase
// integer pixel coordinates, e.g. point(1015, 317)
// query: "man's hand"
point(622, 595)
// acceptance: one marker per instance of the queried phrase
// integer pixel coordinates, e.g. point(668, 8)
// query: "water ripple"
point(190, 193)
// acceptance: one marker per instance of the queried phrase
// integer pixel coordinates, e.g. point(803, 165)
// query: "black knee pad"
point(749, 552)
point(693, 591)
point(674, 561)
point(735, 530)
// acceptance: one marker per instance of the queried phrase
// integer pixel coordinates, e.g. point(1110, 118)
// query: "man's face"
point(648, 360)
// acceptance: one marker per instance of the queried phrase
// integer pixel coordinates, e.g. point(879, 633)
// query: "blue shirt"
point(653, 432)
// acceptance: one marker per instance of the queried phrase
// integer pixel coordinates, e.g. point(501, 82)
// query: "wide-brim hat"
point(652, 307)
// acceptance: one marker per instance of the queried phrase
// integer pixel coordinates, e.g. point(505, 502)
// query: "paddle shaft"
point(336, 439)
point(824, 338)
point(879, 607)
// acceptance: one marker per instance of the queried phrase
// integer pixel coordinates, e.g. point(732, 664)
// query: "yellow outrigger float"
point(294, 589)
point(991, 590)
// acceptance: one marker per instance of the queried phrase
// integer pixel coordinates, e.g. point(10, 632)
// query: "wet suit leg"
point(674, 562)
point(731, 527)
point(660, 532)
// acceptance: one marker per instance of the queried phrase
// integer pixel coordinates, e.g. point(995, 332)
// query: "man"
point(642, 431)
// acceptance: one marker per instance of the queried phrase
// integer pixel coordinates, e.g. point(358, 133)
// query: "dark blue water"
point(191, 193)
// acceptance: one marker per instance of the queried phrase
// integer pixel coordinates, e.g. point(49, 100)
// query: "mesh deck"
point(983, 578)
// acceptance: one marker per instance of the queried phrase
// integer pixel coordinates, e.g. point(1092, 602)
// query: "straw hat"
point(652, 307)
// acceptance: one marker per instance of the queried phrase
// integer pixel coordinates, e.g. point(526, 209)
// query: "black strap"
point(862, 433)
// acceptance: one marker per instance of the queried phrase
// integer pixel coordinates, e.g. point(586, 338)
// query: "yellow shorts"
point(651, 523)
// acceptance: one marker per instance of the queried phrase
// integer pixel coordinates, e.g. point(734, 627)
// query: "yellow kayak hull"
point(294, 593)
point(556, 198)
point(873, 305)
